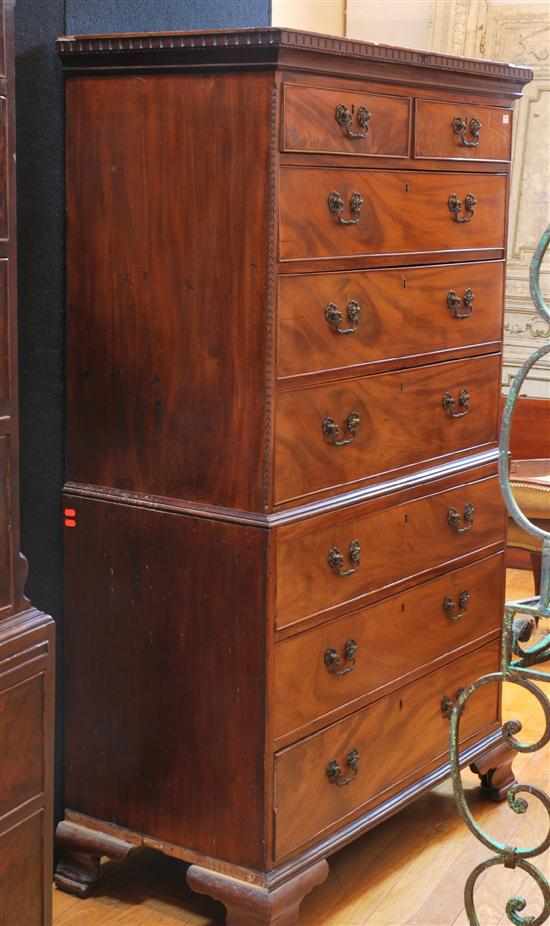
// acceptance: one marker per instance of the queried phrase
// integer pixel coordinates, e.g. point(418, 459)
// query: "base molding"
point(81, 850)
point(249, 905)
point(82, 841)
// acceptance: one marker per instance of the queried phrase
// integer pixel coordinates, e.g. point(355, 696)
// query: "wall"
point(312, 15)
point(89, 16)
point(39, 104)
point(391, 22)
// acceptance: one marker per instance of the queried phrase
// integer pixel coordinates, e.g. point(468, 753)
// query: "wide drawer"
point(462, 131)
point(336, 558)
point(402, 212)
point(345, 122)
point(394, 738)
point(330, 321)
point(335, 664)
point(333, 435)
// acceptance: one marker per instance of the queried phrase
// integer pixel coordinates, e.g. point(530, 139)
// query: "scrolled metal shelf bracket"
point(518, 667)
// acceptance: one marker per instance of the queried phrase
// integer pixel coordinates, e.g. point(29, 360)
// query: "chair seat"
point(530, 483)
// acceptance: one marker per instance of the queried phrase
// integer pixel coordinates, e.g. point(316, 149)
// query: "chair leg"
point(536, 566)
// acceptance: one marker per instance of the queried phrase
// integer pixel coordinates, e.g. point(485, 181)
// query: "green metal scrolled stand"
point(518, 666)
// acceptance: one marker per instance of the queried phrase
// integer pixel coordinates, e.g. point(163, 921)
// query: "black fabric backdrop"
point(39, 98)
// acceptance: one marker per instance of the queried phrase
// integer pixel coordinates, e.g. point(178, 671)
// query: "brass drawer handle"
point(344, 118)
point(334, 317)
point(336, 664)
point(456, 304)
point(449, 404)
point(335, 774)
point(335, 559)
point(447, 703)
point(462, 126)
point(455, 610)
point(461, 523)
point(455, 207)
point(336, 207)
point(331, 430)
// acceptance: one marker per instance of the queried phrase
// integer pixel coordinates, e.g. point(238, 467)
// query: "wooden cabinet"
point(26, 635)
point(284, 530)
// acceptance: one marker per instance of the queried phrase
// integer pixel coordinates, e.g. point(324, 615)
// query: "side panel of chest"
point(168, 196)
point(166, 676)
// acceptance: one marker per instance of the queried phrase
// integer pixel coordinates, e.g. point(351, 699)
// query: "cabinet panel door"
point(22, 873)
point(6, 570)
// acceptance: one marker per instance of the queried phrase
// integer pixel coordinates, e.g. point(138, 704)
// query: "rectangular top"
point(254, 47)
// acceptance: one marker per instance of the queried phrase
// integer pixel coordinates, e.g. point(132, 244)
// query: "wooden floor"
point(410, 871)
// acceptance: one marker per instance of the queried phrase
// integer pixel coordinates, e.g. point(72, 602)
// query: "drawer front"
point(334, 664)
point(394, 738)
point(345, 122)
point(401, 212)
point(334, 435)
point(329, 321)
point(394, 544)
point(462, 131)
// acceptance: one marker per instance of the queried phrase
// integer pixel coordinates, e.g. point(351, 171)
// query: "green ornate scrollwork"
point(518, 667)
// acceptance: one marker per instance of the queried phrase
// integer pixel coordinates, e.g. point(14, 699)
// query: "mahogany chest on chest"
point(285, 537)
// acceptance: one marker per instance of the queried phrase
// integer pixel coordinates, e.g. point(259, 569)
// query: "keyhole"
point(406, 519)
point(406, 188)
point(400, 704)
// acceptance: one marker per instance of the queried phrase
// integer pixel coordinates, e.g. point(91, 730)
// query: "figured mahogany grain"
point(167, 223)
point(396, 542)
point(404, 313)
point(434, 136)
point(407, 728)
point(403, 212)
point(402, 422)
point(305, 689)
point(309, 122)
point(165, 678)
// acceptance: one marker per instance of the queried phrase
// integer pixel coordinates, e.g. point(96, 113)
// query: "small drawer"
point(328, 213)
point(462, 131)
point(345, 122)
point(375, 749)
point(332, 559)
point(333, 435)
point(321, 670)
point(330, 321)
